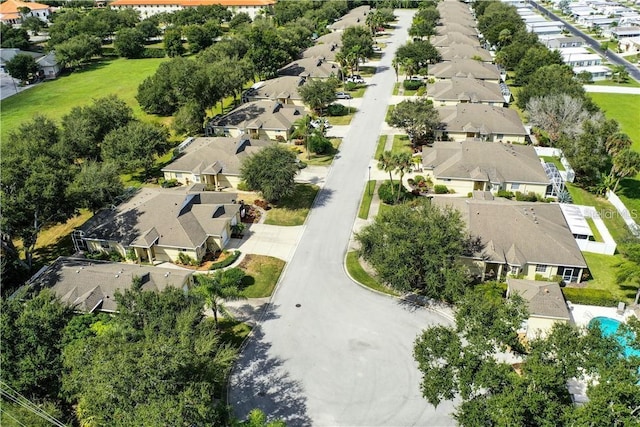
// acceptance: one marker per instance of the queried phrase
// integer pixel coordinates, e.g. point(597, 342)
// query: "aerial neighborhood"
point(320, 213)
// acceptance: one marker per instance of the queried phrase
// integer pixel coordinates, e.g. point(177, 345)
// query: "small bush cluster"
point(421, 90)
point(412, 84)
point(388, 193)
point(440, 189)
point(350, 86)
point(280, 138)
point(168, 183)
point(506, 194)
point(185, 259)
point(528, 197)
point(320, 145)
point(337, 110)
point(225, 262)
point(105, 256)
point(242, 186)
point(590, 296)
point(154, 53)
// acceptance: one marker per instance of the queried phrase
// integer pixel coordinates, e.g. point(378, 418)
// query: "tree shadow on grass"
point(260, 381)
point(630, 188)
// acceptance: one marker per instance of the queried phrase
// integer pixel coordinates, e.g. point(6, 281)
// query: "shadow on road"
point(323, 197)
point(259, 381)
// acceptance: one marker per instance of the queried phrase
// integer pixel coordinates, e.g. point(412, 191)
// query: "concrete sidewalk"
point(612, 89)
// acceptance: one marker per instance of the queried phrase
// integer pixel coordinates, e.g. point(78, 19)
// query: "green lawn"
point(554, 160)
point(56, 98)
point(614, 222)
point(367, 71)
point(401, 144)
point(382, 141)
point(262, 276)
point(629, 83)
point(367, 196)
point(603, 269)
point(594, 230)
point(629, 193)
point(358, 92)
point(361, 276)
point(342, 120)
point(396, 89)
point(625, 109)
point(293, 210)
point(319, 159)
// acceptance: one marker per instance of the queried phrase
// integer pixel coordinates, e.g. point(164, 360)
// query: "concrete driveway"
point(328, 352)
point(272, 240)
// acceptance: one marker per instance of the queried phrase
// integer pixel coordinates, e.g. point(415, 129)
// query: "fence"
point(624, 212)
point(567, 174)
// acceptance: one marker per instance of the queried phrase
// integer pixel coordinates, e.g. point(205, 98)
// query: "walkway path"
point(327, 352)
point(612, 89)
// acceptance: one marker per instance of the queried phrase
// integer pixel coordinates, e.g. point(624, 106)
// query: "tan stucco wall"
point(540, 325)
point(527, 188)
point(462, 136)
point(95, 246)
point(475, 267)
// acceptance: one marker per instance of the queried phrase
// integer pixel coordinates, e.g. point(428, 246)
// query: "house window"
point(541, 268)
point(499, 135)
point(515, 269)
point(104, 245)
point(515, 186)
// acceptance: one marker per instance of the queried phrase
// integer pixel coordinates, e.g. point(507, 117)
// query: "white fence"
point(628, 216)
point(608, 245)
point(568, 175)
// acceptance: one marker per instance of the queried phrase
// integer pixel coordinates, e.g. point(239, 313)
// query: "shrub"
point(320, 145)
point(412, 84)
point(421, 91)
point(280, 138)
point(98, 255)
point(389, 195)
point(441, 189)
point(298, 142)
point(350, 86)
point(590, 296)
point(337, 110)
point(242, 186)
point(504, 193)
point(529, 197)
point(237, 229)
point(169, 183)
point(262, 204)
point(225, 262)
point(154, 53)
point(185, 259)
point(131, 254)
point(469, 195)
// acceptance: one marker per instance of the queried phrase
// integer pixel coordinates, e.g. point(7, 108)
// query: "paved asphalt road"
point(344, 356)
point(593, 43)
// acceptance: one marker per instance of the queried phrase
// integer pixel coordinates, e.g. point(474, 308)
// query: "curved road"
point(593, 43)
point(327, 352)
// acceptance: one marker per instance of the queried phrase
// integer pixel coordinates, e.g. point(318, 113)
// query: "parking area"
point(10, 86)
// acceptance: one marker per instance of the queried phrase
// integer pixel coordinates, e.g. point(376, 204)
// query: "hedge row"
point(225, 262)
point(585, 296)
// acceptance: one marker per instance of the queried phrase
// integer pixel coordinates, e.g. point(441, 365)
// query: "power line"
point(13, 396)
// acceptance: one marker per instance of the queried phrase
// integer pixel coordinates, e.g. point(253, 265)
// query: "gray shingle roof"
point(216, 155)
point(90, 285)
point(465, 89)
point(284, 87)
point(356, 16)
point(329, 38)
point(268, 115)
point(543, 299)
point(172, 218)
point(518, 233)
point(484, 161)
point(310, 67)
point(465, 68)
point(463, 51)
point(455, 37)
point(485, 119)
point(325, 50)
point(455, 27)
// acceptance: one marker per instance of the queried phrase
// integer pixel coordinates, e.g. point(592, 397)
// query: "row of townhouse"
point(148, 8)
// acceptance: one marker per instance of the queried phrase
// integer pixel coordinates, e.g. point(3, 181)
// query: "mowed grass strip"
point(56, 98)
point(401, 144)
point(614, 222)
point(603, 268)
point(293, 210)
point(382, 141)
point(361, 276)
point(262, 276)
point(367, 196)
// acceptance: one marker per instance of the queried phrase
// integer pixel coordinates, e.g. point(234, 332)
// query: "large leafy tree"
point(135, 145)
point(495, 17)
point(421, 53)
point(462, 361)
point(78, 50)
point(96, 185)
point(418, 118)
point(158, 362)
point(271, 171)
point(535, 58)
point(84, 128)
point(129, 43)
point(553, 80)
point(557, 115)
point(12, 37)
point(358, 41)
point(416, 248)
point(268, 51)
point(173, 42)
point(317, 94)
point(35, 175)
point(424, 22)
point(22, 66)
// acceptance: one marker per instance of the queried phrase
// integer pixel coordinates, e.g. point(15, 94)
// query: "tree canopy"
point(317, 94)
point(135, 145)
point(416, 248)
point(418, 118)
point(22, 66)
point(271, 171)
point(421, 53)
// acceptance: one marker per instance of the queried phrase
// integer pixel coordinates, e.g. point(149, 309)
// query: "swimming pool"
point(609, 327)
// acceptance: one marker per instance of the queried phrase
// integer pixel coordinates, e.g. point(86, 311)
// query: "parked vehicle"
point(321, 123)
point(355, 79)
point(342, 95)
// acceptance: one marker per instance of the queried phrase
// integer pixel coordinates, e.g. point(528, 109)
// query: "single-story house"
point(464, 68)
point(355, 17)
point(311, 67)
point(453, 17)
point(90, 286)
point(464, 51)
point(559, 42)
point(518, 239)
point(214, 162)
point(281, 89)
point(598, 72)
point(451, 38)
point(159, 225)
point(482, 122)
point(49, 66)
point(10, 11)
point(324, 50)
point(620, 33)
point(470, 31)
point(468, 166)
point(546, 30)
point(463, 89)
point(258, 119)
point(545, 303)
point(148, 8)
point(629, 45)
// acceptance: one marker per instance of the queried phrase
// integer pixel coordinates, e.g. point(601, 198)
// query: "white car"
point(342, 95)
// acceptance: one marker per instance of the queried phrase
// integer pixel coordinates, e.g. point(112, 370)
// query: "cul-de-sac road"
point(328, 352)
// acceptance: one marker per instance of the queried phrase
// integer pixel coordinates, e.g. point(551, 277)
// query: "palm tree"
point(223, 285)
point(386, 162)
point(402, 162)
point(626, 163)
point(395, 63)
point(302, 129)
point(341, 59)
point(617, 143)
